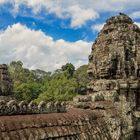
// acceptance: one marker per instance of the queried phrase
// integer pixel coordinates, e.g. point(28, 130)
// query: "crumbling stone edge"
point(13, 107)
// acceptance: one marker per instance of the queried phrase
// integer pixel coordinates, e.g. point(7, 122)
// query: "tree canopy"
point(63, 84)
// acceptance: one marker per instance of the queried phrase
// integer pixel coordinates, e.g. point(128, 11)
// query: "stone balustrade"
point(15, 108)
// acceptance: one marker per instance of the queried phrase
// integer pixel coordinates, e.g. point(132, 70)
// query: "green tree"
point(82, 79)
point(63, 84)
point(58, 89)
point(26, 87)
point(27, 91)
point(68, 70)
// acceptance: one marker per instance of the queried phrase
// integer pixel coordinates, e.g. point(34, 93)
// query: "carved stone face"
point(104, 67)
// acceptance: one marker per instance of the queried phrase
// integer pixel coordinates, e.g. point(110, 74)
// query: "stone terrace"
point(77, 124)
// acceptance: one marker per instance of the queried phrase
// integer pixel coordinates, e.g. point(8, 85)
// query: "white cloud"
point(135, 15)
point(78, 11)
point(38, 50)
point(97, 27)
point(80, 16)
point(138, 24)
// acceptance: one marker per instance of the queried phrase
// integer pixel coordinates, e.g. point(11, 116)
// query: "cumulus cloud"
point(38, 50)
point(77, 14)
point(78, 11)
point(80, 16)
point(97, 27)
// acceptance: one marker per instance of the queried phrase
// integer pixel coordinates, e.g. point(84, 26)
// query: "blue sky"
point(46, 34)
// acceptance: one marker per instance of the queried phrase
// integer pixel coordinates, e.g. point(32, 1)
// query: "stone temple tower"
point(6, 86)
point(114, 62)
point(114, 70)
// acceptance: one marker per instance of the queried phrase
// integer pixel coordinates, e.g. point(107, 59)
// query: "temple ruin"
point(109, 111)
point(6, 87)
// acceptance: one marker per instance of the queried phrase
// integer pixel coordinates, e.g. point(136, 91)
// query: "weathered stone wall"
point(77, 124)
point(6, 85)
point(118, 117)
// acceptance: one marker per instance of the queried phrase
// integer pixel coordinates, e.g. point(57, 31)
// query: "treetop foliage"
point(61, 85)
